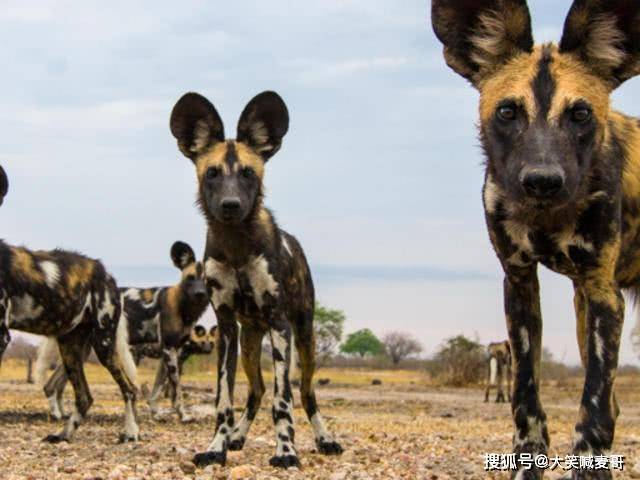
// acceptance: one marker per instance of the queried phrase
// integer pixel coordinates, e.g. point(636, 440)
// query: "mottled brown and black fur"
point(159, 318)
point(562, 187)
point(72, 298)
point(498, 370)
point(257, 274)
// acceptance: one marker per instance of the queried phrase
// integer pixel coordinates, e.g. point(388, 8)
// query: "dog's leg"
point(251, 350)
point(54, 390)
point(170, 360)
point(524, 322)
point(282, 409)
point(594, 431)
point(110, 342)
point(5, 339)
point(158, 387)
point(71, 352)
point(227, 361)
point(305, 345)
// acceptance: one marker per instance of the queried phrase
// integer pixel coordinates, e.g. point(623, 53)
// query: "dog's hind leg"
point(158, 387)
point(170, 360)
point(72, 352)
point(306, 346)
point(251, 348)
point(5, 339)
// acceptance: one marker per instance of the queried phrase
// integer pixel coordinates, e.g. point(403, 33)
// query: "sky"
point(380, 168)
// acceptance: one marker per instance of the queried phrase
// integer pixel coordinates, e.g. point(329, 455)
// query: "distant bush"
point(459, 362)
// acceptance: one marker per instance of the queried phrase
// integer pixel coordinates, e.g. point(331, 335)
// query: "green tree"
point(362, 342)
point(328, 325)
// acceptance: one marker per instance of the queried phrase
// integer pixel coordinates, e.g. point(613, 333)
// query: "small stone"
point(241, 472)
point(187, 467)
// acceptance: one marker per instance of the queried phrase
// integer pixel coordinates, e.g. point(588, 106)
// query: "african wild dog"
point(499, 371)
point(160, 316)
point(72, 298)
point(200, 342)
point(256, 273)
point(562, 186)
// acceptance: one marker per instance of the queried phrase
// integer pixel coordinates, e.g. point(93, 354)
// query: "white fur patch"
point(524, 336)
point(286, 246)
point(227, 279)
point(77, 320)
point(48, 353)
point(491, 195)
point(51, 272)
point(21, 309)
point(261, 280)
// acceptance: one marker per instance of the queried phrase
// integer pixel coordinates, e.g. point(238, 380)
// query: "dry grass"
point(407, 428)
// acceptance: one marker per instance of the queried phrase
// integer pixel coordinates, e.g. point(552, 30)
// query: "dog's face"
point(192, 282)
point(544, 110)
point(202, 339)
point(230, 172)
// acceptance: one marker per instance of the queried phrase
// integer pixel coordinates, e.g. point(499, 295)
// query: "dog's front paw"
point(284, 461)
point(55, 438)
point(329, 447)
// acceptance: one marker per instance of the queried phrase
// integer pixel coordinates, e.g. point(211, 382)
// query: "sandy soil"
point(404, 429)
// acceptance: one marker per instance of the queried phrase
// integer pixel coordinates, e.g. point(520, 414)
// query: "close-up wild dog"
point(499, 370)
point(70, 297)
point(562, 187)
point(257, 274)
point(159, 318)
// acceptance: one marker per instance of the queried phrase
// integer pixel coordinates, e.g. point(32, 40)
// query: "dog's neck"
point(236, 243)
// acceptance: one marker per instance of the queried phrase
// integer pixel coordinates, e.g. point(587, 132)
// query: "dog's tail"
point(48, 355)
point(123, 350)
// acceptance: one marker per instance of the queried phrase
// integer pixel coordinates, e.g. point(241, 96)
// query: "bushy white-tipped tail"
point(48, 354)
point(123, 351)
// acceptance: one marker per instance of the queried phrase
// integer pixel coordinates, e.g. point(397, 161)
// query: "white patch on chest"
point(261, 280)
point(23, 308)
point(568, 239)
point(257, 272)
point(222, 293)
point(51, 272)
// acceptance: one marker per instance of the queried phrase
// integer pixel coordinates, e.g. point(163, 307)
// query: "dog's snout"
point(542, 182)
point(231, 205)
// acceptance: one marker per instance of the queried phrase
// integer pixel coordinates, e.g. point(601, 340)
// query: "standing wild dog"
point(162, 317)
point(562, 186)
point(71, 297)
point(256, 273)
point(499, 371)
point(200, 342)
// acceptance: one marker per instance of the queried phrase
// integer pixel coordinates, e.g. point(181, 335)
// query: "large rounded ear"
point(605, 34)
point(480, 36)
point(182, 255)
point(196, 124)
point(4, 184)
point(263, 123)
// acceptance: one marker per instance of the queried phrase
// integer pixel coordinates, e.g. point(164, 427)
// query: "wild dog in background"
point(499, 370)
point(562, 186)
point(201, 342)
point(160, 316)
point(256, 273)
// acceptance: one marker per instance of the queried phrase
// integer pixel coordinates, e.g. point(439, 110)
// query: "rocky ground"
point(403, 429)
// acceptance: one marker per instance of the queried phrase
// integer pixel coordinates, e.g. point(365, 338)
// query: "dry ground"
point(405, 429)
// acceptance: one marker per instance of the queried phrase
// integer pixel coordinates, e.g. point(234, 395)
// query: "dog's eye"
point(507, 112)
point(581, 115)
point(247, 172)
point(212, 173)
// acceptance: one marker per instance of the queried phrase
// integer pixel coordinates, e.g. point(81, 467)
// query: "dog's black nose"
point(231, 205)
point(542, 183)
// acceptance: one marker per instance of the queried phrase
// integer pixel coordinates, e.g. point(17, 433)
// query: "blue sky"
point(381, 165)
